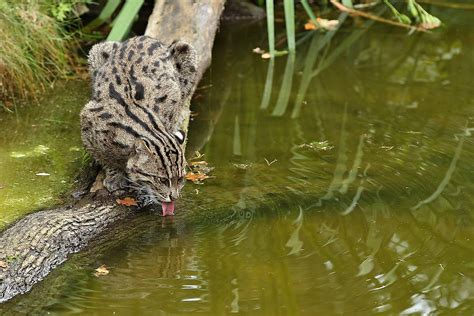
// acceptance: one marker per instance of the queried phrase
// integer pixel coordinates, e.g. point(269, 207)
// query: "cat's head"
point(156, 169)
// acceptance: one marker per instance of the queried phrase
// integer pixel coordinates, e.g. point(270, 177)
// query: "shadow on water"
point(342, 185)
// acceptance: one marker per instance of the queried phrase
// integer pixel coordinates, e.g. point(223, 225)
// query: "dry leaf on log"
point(128, 201)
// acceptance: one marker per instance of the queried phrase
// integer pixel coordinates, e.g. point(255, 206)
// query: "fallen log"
point(39, 242)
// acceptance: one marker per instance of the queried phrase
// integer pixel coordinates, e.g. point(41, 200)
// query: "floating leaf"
point(128, 201)
point(101, 271)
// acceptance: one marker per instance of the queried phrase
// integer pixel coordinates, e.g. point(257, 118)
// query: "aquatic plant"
point(413, 17)
point(35, 46)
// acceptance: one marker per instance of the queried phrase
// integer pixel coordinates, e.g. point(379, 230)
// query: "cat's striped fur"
point(140, 90)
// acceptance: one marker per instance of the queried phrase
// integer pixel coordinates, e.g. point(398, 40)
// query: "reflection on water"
point(349, 194)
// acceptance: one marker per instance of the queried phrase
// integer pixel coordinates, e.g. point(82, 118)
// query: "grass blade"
point(123, 23)
point(308, 10)
point(271, 27)
point(289, 7)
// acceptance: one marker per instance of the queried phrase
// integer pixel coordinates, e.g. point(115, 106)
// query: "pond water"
point(40, 150)
point(342, 184)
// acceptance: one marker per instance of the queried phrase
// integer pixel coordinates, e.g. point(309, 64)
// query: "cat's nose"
point(174, 195)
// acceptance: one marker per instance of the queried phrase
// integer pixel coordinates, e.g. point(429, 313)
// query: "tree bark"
point(39, 242)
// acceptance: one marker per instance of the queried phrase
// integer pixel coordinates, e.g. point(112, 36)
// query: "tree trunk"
point(39, 242)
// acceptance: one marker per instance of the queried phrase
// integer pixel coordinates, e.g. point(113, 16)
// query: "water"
point(361, 203)
point(40, 151)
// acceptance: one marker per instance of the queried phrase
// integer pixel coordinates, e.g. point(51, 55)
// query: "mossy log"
point(39, 242)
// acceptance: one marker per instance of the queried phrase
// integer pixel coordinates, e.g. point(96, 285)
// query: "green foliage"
point(61, 10)
point(421, 16)
point(35, 47)
point(418, 14)
point(402, 18)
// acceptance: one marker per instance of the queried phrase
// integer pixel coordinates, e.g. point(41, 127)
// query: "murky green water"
point(40, 150)
point(346, 189)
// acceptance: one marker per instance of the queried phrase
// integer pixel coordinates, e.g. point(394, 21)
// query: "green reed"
point(271, 27)
point(124, 21)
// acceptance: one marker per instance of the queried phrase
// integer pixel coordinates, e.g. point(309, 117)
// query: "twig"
point(354, 12)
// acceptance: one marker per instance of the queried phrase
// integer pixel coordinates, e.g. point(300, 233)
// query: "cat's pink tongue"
point(168, 208)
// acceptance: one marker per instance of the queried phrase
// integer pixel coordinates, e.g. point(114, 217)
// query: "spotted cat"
point(140, 91)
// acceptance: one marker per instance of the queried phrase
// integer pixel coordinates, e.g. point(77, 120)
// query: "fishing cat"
point(140, 91)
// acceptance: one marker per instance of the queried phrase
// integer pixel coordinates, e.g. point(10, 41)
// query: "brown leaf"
point(101, 271)
point(128, 201)
point(3, 265)
point(196, 177)
point(199, 170)
point(309, 26)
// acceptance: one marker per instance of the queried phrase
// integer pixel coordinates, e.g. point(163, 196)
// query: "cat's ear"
point(142, 145)
point(185, 62)
point(180, 136)
point(99, 53)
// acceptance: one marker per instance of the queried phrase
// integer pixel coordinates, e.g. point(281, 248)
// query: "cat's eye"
point(164, 180)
